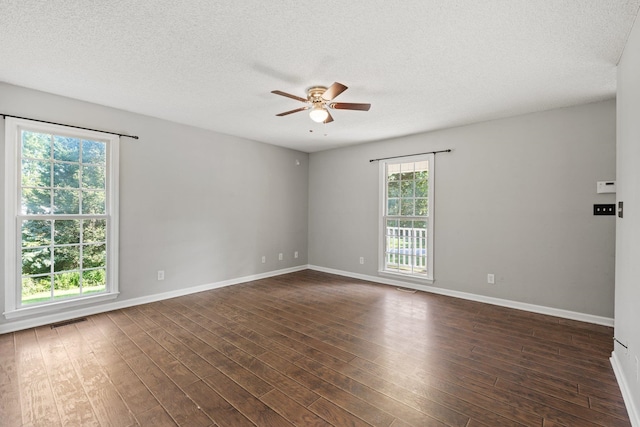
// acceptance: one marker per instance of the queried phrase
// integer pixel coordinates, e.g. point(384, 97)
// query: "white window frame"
point(13, 235)
point(421, 278)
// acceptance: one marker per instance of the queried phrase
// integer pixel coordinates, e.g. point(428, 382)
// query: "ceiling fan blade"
point(334, 90)
point(329, 119)
point(349, 106)
point(288, 95)
point(292, 111)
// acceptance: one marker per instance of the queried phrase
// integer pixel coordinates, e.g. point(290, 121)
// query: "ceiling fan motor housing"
point(314, 94)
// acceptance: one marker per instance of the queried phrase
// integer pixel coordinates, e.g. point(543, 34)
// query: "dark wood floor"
point(311, 349)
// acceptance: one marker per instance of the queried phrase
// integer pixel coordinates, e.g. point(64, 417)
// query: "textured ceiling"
point(422, 64)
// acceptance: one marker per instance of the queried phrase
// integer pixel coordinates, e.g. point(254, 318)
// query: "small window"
point(62, 194)
point(407, 217)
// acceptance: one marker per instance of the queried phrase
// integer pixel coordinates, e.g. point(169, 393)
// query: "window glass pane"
point(66, 258)
point(94, 152)
point(393, 207)
point(407, 188)
point(393, 241)
point(94, 256)
point(36, 145)
point(421, 207)
point(35, 201)
point(93, 176)
point(36, 173)
point(66, 284)
point(407, 207)
point(94, 230)
point(66, 175)
point(66, 202)
point(393, 189)
point(66, 148)
point(422, 187)
point(407, 168)
point(93, 202)
point(420, 265)
point(66, 232)
point(36, 233)
point(36, 261)
point(421, 166)
point(421, 245)
point(94, 281)
point(393, 172)
point(406, 224)
point(36, 289)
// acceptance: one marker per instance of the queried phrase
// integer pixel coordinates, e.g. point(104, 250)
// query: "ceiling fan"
point(319, 102)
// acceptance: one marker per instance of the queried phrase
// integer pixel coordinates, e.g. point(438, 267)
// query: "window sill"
point(406, 277)
point(57, 306)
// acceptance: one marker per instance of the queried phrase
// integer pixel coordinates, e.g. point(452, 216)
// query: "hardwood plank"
point(182, 409)
point(10, 405)
point(292, 411)
point(597, 417)
point(72, 401)
point(215, 406)
point(156, 417)
point(336, 415)
point(245, 402)
point(36, 396)
point(107, 403)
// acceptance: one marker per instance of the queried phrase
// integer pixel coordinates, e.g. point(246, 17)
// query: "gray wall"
point(514, 198)
point(627, 298)
point(203, 206)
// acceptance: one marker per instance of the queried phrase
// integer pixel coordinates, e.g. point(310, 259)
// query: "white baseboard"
point(565, 314)
point(102, 308)
point(87, 311)
point(634, 413)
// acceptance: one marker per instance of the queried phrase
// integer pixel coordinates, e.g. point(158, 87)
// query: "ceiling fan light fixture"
point(318, 114)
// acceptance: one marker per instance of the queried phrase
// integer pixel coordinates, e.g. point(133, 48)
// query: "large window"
point(61, 197)
point(406, 234)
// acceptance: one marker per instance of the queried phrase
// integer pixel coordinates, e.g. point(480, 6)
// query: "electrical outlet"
point(264, 259)
point(361, 260)
point(491, 278)
point(295, 254)
point(160, 274)
point(280, 256)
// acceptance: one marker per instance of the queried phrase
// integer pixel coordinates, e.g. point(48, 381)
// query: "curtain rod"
point(409, 155)
point(71, 126)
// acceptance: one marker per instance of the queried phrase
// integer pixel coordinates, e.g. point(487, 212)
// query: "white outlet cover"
point(606, 187)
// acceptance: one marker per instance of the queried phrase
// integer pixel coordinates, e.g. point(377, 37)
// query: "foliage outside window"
point(64, 213)
point(407, 219)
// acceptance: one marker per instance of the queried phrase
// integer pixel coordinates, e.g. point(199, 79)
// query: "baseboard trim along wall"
point(87, 311)
point(565, 314)
point(634, 413)
point(116, 305)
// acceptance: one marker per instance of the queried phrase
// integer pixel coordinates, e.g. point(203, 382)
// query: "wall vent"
point(68, 322)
